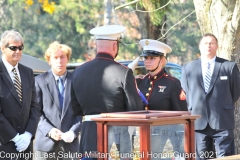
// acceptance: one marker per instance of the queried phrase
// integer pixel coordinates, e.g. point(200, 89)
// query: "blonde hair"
point(54, 47)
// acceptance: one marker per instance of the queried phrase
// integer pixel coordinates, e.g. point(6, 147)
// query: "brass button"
point(147, 94)
point(151, 83)
point(150, 89)
point(155, 77)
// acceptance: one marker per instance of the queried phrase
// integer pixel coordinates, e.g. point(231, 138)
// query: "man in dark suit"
point(19, 111)
point(58, 128)
point(212, 86)
point(103, 85)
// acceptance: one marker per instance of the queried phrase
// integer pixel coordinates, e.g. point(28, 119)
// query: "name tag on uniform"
point(223, 78)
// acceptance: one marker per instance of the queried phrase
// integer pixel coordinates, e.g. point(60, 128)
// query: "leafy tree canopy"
point(69, 21)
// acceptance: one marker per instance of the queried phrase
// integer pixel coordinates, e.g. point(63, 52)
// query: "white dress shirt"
point(9, 68)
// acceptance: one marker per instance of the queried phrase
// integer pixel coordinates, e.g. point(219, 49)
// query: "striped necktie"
point(17, 84)
point(208, 77)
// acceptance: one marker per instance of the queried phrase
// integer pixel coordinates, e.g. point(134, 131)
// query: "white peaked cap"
point(154, 45)
point(111, 32)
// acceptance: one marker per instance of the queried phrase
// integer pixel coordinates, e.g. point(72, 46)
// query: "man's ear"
point(2, 48)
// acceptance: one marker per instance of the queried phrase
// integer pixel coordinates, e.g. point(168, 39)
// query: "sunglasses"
point(14, 48)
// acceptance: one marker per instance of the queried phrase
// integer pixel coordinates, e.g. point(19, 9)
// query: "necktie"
point(207, 78)
point(61, 91)
point(17, 84)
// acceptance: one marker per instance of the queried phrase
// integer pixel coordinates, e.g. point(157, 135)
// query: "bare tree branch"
point(164, 34)
point(153, 10)
point(126, 4)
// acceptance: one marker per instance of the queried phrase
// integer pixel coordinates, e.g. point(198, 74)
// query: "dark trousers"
point(211, 143)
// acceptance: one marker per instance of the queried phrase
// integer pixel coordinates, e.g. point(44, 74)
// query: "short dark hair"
point(208, 34)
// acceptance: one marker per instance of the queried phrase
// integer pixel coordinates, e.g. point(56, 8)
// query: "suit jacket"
point(217, 106)
point(15, 116)
point(100, 86)
point(52, 117)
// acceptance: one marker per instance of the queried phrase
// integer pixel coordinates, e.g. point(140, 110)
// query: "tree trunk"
point(108, 12)
point(222, 18)
point(147, 28)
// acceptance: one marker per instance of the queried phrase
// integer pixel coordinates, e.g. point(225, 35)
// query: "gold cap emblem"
point(146, 42)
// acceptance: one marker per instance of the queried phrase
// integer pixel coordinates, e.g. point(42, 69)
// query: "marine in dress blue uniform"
point(162, 91)
point(103, 85)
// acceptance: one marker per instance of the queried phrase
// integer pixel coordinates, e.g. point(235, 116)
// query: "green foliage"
point(153, 8)
point(157, 16)
point(129, 50)
point(183, 37)
point(14, 1)
point(72, 19)
point(70, 24)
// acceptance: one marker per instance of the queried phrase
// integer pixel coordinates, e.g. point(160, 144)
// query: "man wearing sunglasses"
point(19, 111)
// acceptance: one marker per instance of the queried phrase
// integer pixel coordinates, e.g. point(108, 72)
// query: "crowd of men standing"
point(49, 108)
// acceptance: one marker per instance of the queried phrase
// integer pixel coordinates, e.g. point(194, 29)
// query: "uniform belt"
point(88, 117)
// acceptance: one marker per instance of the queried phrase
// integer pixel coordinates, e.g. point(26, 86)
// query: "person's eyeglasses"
point(14, 48)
